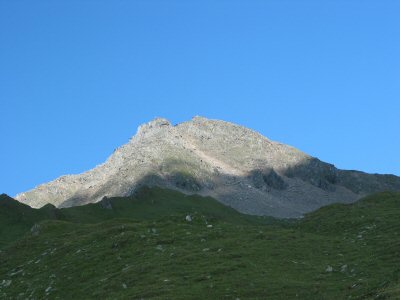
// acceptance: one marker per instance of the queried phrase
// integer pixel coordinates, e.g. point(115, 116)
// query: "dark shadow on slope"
point(365, 184)
point(181, 181)
point(328, 177)
point(267, 179)
point(315, 172)
point(316, 184)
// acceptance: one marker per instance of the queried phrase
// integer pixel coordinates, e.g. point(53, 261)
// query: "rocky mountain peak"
point(154, 125)
point(229, 162)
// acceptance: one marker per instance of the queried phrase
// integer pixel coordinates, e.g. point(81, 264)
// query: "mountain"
point(144, 247)
point(235, 165)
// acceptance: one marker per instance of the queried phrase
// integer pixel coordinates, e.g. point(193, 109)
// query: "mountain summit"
point(236, 165)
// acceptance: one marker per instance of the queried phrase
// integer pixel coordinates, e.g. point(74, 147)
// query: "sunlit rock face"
point(231, 163)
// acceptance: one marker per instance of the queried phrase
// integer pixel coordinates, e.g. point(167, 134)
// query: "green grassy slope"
point(152, 203)
point(17, 218)
point(149, 203)
point(144, 248)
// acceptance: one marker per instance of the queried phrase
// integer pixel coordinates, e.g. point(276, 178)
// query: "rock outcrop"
point(233, 164)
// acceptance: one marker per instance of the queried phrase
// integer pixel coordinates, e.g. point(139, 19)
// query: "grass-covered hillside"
point(143, 247)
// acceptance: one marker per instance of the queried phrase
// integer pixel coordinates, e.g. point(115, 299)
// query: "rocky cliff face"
point(233, 164)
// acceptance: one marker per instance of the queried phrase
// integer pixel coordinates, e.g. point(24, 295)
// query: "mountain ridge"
point(236, 165)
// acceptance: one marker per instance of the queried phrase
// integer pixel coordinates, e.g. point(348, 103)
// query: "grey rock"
point(35, 229)
point(237, 166)
point(5, 283)
point(329, 269)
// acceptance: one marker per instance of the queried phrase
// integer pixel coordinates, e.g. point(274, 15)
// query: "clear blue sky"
point(78, 77)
